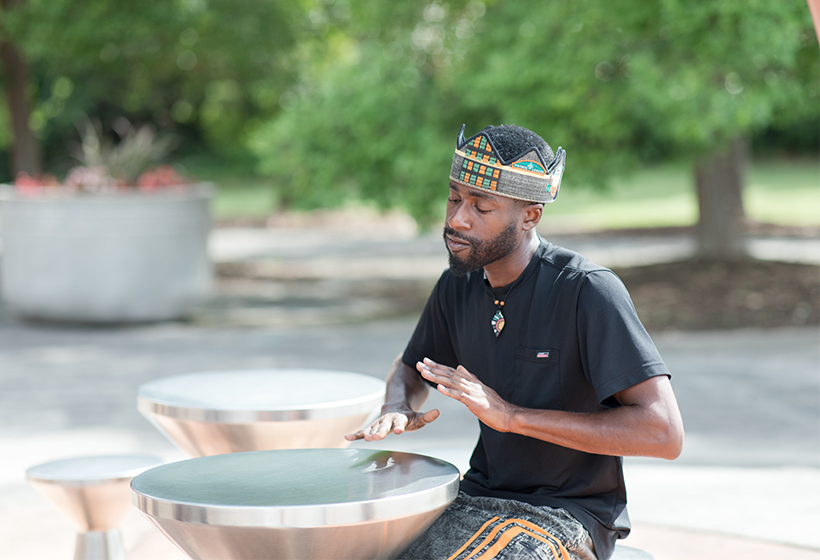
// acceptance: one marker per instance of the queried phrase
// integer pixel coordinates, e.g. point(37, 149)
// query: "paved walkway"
point(745, 487)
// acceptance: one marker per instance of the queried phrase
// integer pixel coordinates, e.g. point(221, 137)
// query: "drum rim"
point(304, 516)
point(87, 477)
point(364, 404)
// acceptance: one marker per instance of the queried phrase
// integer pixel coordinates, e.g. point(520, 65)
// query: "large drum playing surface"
point(224, 412)
point(346, 504)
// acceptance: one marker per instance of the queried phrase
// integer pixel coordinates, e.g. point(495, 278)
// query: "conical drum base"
point(93, 492)
point(95, 508)
point(198, 439)
point(359, 541)
point(298, 504)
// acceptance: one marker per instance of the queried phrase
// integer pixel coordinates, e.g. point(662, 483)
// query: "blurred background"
point(692, 132)
point(672, 108)
point(702, 118)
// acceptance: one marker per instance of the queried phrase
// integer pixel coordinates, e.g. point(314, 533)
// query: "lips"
point(456, 243)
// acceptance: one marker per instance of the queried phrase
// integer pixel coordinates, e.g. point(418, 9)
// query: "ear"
point(532, 215)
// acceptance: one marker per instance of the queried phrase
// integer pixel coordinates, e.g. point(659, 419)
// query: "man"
point(546, 350)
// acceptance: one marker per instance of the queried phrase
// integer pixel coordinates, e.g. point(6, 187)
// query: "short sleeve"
point(616, 351)
point(432, 338)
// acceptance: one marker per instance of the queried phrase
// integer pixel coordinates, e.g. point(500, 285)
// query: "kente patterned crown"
point(527, 176)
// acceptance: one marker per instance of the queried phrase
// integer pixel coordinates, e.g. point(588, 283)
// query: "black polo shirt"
point(572, 339)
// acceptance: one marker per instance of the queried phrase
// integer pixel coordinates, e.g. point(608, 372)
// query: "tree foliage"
point(373, 119)
point(213, 65)
point(613, 82)
point(341, 99)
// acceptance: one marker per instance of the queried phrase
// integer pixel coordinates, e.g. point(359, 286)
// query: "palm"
point(394, 422)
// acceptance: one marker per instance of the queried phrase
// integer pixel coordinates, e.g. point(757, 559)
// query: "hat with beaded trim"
point(526, 176)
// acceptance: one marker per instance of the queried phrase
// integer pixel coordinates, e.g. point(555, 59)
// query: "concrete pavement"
point(745, 487)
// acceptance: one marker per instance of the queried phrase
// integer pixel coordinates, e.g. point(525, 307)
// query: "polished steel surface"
point(86, 471)
point(100, 545)
point(296, 504)
point(213, 413)
point(93, 492)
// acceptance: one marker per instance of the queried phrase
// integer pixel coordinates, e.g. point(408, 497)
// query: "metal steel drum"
point(323, 504)
point(225, 412)
point(93, 493)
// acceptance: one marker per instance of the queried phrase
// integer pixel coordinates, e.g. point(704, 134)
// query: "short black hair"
point(511, 140)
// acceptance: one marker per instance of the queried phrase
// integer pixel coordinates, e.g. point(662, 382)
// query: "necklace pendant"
point(498, 323)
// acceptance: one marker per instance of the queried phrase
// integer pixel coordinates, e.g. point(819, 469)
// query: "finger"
point(384, 426)
point(450, 392)
point(379, 430)
point(460, 390)
point(437, 374)
point(427, 365)
point(365, 433)
point(421, 420)
point(439, 368)
point(399, 425)
point(441, 382)
point(463, 371)
point(436, 367)
point(430, 416)
point(428, 373)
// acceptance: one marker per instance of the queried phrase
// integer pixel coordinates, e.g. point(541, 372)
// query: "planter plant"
point(118, 240)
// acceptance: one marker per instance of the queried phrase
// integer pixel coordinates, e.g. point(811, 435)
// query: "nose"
point(457, 217)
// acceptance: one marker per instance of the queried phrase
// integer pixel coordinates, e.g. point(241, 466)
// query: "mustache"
point(452, 233)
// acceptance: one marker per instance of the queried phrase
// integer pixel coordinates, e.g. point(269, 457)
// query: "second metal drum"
point(224, 412)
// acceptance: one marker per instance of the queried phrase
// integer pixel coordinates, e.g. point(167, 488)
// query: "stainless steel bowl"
point(350, 504)
point(224, 412)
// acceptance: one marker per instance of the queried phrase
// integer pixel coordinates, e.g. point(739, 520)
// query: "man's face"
point(480, 228)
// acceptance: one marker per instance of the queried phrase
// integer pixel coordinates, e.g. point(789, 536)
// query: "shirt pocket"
point(537, 378)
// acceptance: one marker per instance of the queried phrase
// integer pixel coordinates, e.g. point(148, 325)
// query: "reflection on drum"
point(300, 504)
point(225, 412)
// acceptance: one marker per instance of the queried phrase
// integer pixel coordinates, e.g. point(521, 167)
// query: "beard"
point(481, 253)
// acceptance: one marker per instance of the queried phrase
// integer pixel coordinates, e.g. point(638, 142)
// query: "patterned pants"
point(474, 528)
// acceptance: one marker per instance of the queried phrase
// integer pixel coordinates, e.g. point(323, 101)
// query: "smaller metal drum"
point(229, 411)
point(93, 493)
point(299, 504)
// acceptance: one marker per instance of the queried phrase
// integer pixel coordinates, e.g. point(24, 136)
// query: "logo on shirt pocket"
point(536, 355)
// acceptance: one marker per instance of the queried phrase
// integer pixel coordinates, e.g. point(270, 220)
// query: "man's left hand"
point(463, 386)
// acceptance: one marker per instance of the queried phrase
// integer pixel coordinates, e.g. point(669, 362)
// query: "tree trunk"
point(719, 178)
point(25, 153)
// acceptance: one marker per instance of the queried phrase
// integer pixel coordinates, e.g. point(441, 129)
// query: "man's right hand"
point(395, 422)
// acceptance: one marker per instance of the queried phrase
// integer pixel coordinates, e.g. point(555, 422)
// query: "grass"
point(240, 192)
point(777, 191)
point(245, 198)
point(653, 197)
point(784, 192)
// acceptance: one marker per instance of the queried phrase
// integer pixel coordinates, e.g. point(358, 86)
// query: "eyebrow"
point(475, 192)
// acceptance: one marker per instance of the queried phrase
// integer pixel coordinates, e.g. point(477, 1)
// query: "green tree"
point(374, 115)
point(620, 79)
point(213, 66)
point(613, 82)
